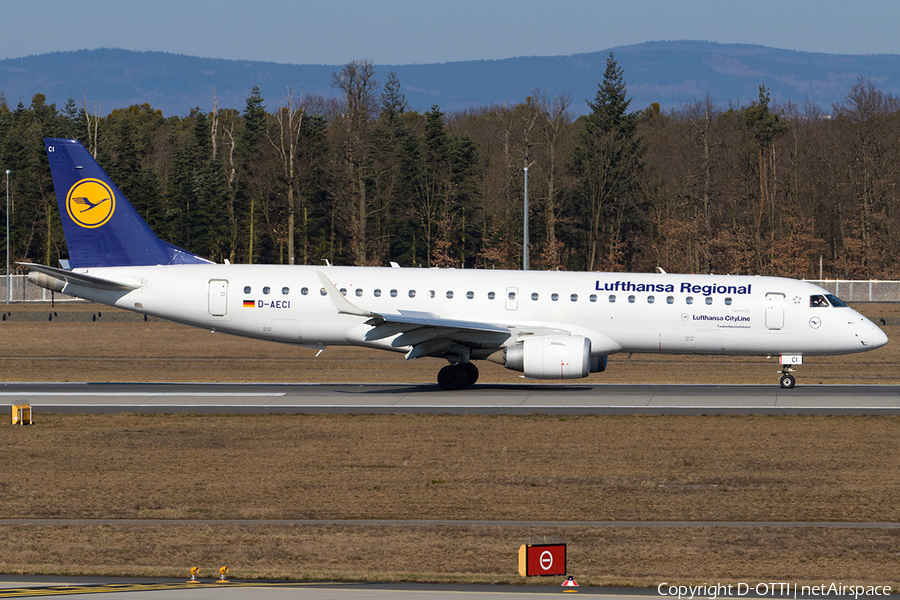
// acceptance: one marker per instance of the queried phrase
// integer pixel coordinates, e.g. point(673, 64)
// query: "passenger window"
point(651, 299)
point(323, 292)
point(512, 295)
point(593, 297)
point(727, 301)
point(431, 293)
point(343, 291)
point(709, 300)
point(574, 297)
point(612, 298)
point(554, 296)
point(449, 294)
point(412, 293)
point(491, 295)
point(266, 290)
point(359, 292)
point(631, 299)
point(246, 289)
point(304, 291)
point(818, 301)
point(393, 293)
point(285, 291)
point(470, 295)
point(670, 299)
point(689, 300)
point(377, 293)
point(534, 296)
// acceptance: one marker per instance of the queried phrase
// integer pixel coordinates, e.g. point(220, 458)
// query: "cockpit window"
point(818, 301)
point(835, 301)
point(826, 300)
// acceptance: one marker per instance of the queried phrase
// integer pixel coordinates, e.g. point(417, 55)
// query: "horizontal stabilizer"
point(81, 279)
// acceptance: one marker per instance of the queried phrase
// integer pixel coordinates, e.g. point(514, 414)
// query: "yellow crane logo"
point(90, 203)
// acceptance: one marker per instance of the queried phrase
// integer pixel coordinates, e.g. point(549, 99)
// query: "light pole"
point(525, 227)
point(8, 278)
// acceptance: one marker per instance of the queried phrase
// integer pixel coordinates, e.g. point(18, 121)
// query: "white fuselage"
point(677, 314)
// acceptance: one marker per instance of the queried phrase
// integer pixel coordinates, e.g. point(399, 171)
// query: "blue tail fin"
point(102, 228)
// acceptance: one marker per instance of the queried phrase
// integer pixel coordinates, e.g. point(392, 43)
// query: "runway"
point(123, 588)
point(133, 589)
point(480, 399)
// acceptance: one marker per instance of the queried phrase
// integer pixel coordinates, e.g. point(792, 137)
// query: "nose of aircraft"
point(877, 338)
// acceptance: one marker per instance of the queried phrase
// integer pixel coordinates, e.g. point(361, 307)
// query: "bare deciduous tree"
point(284, 139)
point(358, 84)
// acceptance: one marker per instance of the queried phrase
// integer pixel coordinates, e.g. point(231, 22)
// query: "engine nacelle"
point(551, 357)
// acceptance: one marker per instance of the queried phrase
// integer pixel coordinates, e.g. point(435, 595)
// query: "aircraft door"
point(512, 298)
point(774, 310)
point(218, 297)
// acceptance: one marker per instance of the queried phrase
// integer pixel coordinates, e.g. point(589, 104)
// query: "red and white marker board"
point(542, 559)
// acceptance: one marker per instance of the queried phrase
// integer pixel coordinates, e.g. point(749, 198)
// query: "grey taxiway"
point(523, 398)
point(131, 589)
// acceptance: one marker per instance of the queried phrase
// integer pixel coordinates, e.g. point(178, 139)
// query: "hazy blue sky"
point(334, 32)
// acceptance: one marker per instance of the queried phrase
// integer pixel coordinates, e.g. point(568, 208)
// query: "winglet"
point(344, 306)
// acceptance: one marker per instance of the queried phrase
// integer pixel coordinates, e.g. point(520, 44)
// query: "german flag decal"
point(249, 303)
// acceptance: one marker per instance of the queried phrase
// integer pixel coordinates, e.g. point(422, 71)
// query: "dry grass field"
point(166, 468)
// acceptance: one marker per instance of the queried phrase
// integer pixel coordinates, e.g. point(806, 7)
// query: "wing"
point(429, 334)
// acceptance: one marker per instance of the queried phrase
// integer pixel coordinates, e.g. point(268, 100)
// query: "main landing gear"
point(455, 376)
point(786, 381)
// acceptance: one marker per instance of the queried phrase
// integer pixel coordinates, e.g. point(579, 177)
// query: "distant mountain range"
point(672, 74)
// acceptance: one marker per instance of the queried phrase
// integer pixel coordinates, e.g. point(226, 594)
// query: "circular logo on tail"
point(90, 203)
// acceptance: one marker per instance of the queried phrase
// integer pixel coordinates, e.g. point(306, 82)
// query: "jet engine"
point(551, 357)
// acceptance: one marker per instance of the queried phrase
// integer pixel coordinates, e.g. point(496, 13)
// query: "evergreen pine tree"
point(607, 160)
point(393, 103)
point(255, 121)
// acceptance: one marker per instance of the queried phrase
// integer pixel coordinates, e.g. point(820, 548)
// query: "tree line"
point(360, 179)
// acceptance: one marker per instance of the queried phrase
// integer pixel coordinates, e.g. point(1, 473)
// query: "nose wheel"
point(786, 381)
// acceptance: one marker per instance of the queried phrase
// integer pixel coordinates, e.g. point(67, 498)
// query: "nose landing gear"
point(786, 381)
